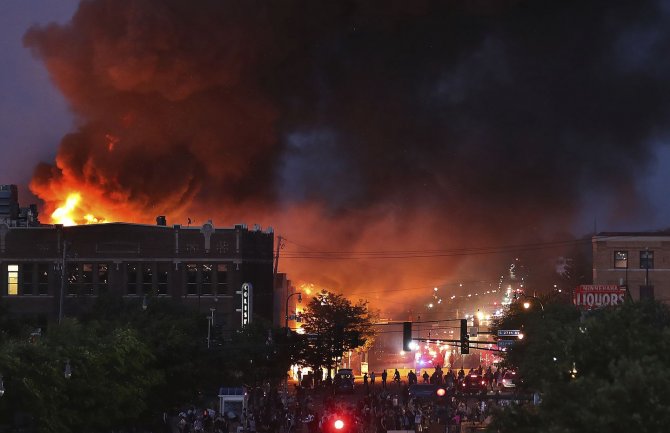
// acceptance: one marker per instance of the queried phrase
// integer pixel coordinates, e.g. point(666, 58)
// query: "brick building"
point(640, 261)
point(203, 267)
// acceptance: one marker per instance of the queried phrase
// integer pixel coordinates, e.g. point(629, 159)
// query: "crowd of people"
point(385, 405)
point(390, 406)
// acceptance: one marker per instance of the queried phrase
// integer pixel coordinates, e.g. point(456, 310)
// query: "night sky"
point(346, 125)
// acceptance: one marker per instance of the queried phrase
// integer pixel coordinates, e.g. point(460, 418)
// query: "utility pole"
point(62, 284)
point(279, 245)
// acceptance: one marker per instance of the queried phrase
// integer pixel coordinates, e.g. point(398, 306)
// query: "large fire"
point(74, 212)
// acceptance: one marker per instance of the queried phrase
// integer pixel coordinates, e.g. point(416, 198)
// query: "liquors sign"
point(598, 295)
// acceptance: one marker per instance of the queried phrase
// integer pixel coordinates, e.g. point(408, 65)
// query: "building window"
point(222, 279)
point(621, 259)
point(131, 279)
point(163, 273)
point(87, 279)
point(206, 288)
point(27, 279)
point(147, 278)
point(12, 280)
point(72, 278)
point(43, 279)
point(103, 277)
point(646, 259)
point(191, 279)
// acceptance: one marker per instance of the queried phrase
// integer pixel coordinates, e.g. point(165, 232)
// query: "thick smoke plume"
point(350, 125)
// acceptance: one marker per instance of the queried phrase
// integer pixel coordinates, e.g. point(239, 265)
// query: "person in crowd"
point(396, 377)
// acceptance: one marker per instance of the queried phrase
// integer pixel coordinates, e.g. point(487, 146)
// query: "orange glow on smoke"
point(74, 212)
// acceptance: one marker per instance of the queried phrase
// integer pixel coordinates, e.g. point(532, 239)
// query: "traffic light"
point(465, 338)
point(407, 336)
point(441, 396)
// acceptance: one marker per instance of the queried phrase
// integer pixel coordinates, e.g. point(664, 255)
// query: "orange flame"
point(72, 212)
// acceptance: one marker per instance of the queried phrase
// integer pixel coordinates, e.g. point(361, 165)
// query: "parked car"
point(472, 384)
point(344, 381)
point(510, 379)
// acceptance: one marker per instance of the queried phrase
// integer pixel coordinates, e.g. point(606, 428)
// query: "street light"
point(210, 323)
point(68, 370)
point(527, 304)
point(287, 299)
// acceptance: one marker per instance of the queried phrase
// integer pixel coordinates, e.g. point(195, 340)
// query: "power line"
point(410, 254)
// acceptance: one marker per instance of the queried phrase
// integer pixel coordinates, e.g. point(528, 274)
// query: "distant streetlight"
point(210, 323)
point(68, 370)
point(287, 299)
point(527, 304)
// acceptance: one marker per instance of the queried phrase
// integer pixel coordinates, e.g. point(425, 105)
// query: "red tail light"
point(338, 424)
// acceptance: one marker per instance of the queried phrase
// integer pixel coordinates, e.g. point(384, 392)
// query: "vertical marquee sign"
point(247, 303)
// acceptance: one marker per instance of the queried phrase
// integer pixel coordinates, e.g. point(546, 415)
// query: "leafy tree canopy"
point(337, 326)
point(620, 357)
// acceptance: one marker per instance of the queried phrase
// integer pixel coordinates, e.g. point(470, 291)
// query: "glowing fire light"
point(70, 213)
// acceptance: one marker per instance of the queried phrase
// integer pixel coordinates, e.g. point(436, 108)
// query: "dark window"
point(222, 279)
point(191, 279)
point(27, 279)
point(163, 273)
point(621, 259)
point(43, 279)
point(73, 278)
point(646, 292)
point(131, 278)
point(103, 277)
point(87, 279)
point(147, 278)
point(206, 288)
point(646, 259)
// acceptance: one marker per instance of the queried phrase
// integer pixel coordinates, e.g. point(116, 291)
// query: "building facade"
point(49, 271)
point(11, 213)
point(638, 261)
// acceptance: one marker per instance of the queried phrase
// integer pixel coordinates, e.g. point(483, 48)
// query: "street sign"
point(505, 343)
point(508, 332)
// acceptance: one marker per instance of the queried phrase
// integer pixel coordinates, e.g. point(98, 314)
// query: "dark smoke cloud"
point(401, 123)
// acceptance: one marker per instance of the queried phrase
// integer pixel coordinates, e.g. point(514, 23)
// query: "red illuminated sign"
point(598, 295)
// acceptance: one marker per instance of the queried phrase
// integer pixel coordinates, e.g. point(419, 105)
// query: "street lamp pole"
point(62, 283)
point(523, 295)
point(210, 323)
point(286, 311)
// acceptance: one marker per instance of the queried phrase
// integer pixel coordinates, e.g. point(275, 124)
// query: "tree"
point(258, 354)
point(111, 378)
point(337, 326)
point(620, 381)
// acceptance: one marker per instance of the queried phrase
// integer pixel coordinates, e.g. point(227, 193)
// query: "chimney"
point(160, 220)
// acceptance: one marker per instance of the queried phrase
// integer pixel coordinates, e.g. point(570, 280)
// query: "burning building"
point(52, 271)
point(406, 126)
